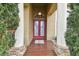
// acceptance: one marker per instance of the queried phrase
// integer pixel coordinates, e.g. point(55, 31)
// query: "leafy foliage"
point(9, 19)
point(72, 33)
point(2, 27)
point(9, 13)
point(6, 42)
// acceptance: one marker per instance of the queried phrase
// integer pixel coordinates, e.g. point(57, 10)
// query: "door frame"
point(45, 28)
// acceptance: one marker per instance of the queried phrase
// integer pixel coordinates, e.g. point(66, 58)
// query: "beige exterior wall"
point(51, 27)
point(28, 24)
point(51, 8)
point(51, 22)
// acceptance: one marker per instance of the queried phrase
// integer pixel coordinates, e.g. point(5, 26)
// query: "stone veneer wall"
point(60, 50)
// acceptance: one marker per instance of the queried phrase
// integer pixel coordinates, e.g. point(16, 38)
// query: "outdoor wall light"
point(39, 13)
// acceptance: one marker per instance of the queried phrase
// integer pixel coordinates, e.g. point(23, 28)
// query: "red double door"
point(39, 28)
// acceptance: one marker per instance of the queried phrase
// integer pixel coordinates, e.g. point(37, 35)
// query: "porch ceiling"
point(39, 4)
point(48, 8)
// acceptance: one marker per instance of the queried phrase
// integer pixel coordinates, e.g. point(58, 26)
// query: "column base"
point(17, 51)
point(62, 50)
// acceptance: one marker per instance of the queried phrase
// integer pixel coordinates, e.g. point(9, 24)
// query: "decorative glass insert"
point(36, 28)
point(41, 28)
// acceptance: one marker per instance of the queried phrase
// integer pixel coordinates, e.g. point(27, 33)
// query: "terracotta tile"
point(40, 50)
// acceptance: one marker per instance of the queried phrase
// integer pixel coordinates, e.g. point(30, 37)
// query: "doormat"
point(39, 42)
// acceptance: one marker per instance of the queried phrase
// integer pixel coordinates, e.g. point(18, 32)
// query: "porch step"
point(40, 53)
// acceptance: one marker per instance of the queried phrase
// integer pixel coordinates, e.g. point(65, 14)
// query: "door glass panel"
point(36, 19)
point(42, 28)
point(36, 28)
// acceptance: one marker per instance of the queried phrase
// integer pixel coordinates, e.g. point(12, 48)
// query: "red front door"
point(39, 28)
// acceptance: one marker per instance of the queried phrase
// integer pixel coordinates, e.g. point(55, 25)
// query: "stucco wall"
point(28, 24)
point(61, 23)
point(19, 34)
point(52, 7)
point(51, 26)
point(51, 21)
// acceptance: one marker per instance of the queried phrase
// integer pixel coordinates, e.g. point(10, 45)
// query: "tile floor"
point(40, 49)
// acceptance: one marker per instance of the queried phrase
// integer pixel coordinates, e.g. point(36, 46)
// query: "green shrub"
point(2, 27)
point(6, 42)
point(9, 19)
point(72, 33)
point(9, 13)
